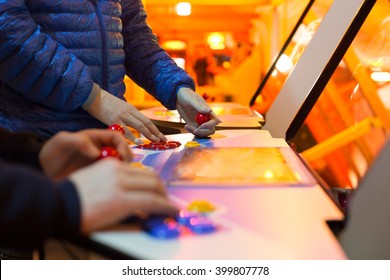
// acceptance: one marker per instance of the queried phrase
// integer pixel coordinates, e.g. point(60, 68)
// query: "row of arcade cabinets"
point(349, 124)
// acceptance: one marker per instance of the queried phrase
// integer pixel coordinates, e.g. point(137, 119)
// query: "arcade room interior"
point(297, 167)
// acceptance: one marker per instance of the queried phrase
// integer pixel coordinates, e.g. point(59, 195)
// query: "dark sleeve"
point(146, 62)
point(33, 208)
point(20, 147)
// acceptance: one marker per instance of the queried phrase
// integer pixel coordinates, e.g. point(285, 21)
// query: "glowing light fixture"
point(183, 9)
point(216, 41)
point(174, 45)
point(269, 174)
point(284, 64)
point(380, 77)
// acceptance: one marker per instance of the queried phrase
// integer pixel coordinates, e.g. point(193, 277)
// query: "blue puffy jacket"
point(52, 53)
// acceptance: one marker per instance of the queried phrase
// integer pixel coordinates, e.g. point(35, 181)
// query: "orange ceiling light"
point(216, 41)
point(183, 9)
point(380, 77)
point(176, 45)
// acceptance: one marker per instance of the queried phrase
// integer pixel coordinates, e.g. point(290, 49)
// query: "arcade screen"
point(235, 166)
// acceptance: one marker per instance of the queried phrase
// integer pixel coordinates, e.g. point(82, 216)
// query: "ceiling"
point(237, 16)
point(211, 2)
point(234, 16)
point(207, 16)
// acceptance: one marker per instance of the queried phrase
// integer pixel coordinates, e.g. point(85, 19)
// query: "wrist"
point(91, 98)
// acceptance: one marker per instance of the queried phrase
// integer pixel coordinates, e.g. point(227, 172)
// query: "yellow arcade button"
point(192, 144)
point(137, 164)
point(201, 206)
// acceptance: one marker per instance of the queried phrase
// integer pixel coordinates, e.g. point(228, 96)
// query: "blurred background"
point(229, 46)
point(240, 39)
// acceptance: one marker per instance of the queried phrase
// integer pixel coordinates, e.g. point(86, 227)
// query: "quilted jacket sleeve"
point(146, 62)
point(35, 65)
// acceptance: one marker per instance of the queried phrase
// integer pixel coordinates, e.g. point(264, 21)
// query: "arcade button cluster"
point(109, 151)
point(158, 146)
point(169, 228)
point(192, 220)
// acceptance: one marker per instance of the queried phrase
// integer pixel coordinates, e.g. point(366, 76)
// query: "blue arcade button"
point(162, 228)
point(202, 225)
point(184, 217)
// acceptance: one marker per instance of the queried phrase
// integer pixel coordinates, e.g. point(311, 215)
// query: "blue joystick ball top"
point(184, 217)
point(201, 225)
point(162, 228)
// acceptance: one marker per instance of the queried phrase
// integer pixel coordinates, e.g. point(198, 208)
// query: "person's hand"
point(111, 190)
point(110, 109)
point(188, 104)
point(66, 152)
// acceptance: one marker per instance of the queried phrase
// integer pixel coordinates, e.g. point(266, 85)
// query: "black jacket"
point(32, 207)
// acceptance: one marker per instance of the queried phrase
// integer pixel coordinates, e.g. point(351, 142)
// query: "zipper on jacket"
point(104, 45)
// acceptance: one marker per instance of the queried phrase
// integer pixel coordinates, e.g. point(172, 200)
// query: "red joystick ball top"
point(202, 118)
point(117, 127)
point(108, 152)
